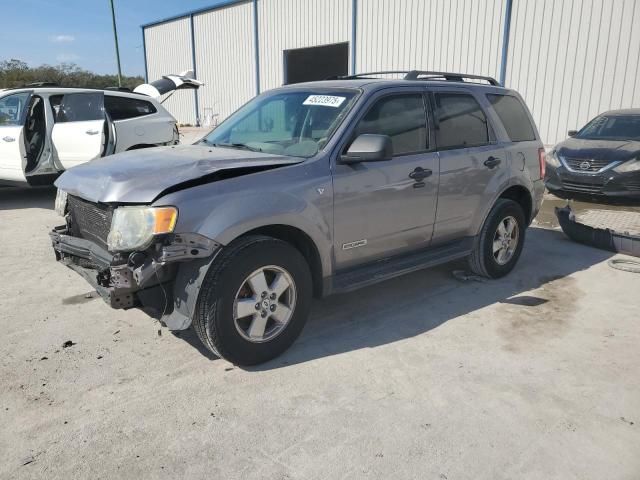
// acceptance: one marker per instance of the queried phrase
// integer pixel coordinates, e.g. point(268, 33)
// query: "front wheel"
point(500, 241)
point(254, 300)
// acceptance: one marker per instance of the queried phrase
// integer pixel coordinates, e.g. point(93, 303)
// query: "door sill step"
point(372, 273)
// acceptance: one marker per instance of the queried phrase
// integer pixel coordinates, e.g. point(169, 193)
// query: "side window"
point(401, 117)
point(459, 121)
point(121, 108)
point(513, 116)
point(77, 107)
point(12, 108)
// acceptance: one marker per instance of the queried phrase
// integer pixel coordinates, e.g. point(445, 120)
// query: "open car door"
point(79, 133)
point(12, 148)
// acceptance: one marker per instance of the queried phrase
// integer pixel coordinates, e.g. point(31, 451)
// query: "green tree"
point(16, 73)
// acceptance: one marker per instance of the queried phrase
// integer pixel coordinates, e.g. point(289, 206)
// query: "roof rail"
point(448, 76)
point(39, 84)
point(423, 75)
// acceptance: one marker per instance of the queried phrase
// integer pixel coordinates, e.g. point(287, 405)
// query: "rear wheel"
point(254, 300)
point(500, 242)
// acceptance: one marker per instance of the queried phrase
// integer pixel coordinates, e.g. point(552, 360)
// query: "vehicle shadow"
point(17, 198)
point(417, 303)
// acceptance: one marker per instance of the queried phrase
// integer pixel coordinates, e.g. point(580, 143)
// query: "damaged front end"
point(154, 277)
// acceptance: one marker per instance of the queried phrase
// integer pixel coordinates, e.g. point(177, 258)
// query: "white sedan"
point(45, 129)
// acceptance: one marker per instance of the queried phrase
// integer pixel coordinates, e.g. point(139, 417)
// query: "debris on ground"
point(466, 276)
point(68, 344)
point(44, 358)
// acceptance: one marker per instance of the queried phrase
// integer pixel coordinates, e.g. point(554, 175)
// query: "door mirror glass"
point(572, 133)
point(369, 148)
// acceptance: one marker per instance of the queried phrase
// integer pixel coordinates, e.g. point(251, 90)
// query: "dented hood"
point(141, 176)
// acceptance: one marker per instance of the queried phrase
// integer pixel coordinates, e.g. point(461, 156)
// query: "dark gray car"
point(307, 190)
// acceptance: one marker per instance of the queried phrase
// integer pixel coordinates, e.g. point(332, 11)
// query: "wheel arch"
point(522, 197)
point(299, 240)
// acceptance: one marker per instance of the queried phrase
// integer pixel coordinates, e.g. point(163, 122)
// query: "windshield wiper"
point(242, 146)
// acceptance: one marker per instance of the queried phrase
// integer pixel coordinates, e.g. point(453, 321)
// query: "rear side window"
point(459, 121)
point(514, 117)
point(121, 108)
point(77, 107)
point(401, 117)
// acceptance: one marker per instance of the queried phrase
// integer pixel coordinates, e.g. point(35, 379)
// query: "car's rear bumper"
point(605, 184)
point(135, 279)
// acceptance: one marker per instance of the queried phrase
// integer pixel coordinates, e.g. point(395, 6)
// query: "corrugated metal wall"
point(225, 58)
point(573, 59)
point(446, 35)
point(286, 24)
point(570, 59)
point(168, 50)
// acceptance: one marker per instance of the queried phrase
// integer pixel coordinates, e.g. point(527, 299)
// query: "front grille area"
point(593, 187)
point(90, 221)
point(594, 165)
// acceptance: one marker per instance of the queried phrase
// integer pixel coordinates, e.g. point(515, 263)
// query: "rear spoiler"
point(169, 83)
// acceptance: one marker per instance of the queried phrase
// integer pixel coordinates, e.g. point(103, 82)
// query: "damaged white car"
point(45, 129)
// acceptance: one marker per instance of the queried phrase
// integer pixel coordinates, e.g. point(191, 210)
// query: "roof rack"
point(425, 75)
point(39, 85)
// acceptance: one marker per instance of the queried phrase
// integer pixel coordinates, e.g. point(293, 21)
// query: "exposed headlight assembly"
point(552, 159)
point(628, 166)
point(61, 202)
point(133, 228)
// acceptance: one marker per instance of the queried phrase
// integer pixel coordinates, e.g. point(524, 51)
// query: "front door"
point(471, 163)
point(13, 109)
point(382, 208)
point(78, 132)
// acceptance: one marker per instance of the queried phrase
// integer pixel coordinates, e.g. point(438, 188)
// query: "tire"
point(215, 319)
point(483, 261)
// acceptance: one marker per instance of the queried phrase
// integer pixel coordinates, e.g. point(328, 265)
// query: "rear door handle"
point(492, 162)
point(92, 132)
point(420, 174)
point(9, 139)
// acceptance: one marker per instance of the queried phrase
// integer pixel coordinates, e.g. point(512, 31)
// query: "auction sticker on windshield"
point(324, 100)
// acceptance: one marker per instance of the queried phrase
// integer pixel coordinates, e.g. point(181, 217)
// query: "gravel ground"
point(534, 376)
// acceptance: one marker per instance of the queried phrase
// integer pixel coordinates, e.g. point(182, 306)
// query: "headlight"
point(61, 202)
point(133, 228)
point(552, 159)
point(628, 166)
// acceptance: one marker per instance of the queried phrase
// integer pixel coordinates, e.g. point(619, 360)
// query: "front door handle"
point(9, 139)
point(420, 174)
point(492, 162)
point(92, 132)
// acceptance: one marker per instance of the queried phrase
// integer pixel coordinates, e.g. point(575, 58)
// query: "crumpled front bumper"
point(134, 279)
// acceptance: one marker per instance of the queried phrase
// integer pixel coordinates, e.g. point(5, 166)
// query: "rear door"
point(12, 149)
point(79, 130)
point(472, 163)
point(384, 208)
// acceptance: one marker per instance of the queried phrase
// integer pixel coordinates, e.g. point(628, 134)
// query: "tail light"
point(541, 159)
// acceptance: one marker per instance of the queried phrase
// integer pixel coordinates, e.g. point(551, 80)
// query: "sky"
point(79, 31)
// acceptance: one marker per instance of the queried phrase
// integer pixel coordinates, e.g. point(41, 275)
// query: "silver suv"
point(307, 190)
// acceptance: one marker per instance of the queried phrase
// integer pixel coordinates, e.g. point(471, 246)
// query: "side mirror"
point(369, 148)
point(572, 133)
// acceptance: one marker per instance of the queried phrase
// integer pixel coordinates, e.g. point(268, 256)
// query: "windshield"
point(296, 122)
point(612, 127)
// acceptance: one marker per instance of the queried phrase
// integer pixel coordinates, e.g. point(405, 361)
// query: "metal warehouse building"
point(570, 59)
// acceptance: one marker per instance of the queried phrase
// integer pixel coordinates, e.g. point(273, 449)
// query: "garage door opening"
point(316, 63)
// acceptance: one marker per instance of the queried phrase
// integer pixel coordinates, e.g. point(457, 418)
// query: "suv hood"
point(141, 176)
point(612, 150)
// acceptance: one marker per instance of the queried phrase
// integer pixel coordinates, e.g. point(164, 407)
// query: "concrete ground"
point(534, 376)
